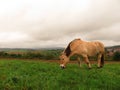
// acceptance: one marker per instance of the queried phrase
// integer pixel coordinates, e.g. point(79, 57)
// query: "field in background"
point(37, 75)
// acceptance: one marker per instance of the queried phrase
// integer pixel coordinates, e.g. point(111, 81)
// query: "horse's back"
point(94, 48)
point(100, 46)
point(79, 46)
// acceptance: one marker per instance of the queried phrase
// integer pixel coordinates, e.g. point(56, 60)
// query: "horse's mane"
point(68, 50)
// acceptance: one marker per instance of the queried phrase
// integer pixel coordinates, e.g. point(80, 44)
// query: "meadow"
point(38, 75)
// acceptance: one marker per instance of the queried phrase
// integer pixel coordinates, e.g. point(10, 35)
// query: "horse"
point(85, 49)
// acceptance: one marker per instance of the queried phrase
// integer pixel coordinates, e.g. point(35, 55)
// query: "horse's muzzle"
point(62, 66)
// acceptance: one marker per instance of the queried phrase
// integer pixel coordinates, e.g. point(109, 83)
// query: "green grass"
point(36, 75)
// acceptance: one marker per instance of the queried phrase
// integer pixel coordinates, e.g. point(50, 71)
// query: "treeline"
point(46, 55)
point(43, 54)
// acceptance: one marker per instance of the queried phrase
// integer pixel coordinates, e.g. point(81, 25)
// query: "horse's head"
point(63, 60)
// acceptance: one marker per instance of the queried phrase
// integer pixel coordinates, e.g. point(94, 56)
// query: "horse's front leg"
point(87, 61)
point(79, 61)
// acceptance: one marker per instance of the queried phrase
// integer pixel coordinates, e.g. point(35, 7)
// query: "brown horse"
point(84, 49)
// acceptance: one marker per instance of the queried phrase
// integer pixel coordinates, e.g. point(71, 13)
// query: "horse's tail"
point(102, 60)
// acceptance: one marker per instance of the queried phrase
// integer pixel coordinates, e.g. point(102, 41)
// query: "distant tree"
point(116, 56)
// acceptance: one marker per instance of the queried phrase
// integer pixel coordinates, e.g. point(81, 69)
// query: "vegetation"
point(31, 75)
point(32, 54)
point(116, 56)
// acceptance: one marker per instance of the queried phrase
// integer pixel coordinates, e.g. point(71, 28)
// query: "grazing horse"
point(84, 49)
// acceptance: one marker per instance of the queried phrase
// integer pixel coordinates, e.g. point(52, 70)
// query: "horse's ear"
point(59, 57)
point(61, 54)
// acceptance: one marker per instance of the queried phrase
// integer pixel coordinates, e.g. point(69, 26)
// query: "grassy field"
point(37, 75)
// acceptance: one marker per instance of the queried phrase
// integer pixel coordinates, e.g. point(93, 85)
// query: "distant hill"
point(112, 49)
point(30, 49)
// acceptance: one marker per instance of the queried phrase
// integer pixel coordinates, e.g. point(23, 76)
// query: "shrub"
point(116, 56)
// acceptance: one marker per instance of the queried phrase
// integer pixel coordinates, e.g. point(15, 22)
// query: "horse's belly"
point(92, 53)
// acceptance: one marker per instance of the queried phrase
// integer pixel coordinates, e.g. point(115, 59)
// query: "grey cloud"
point(100, 20)
point(108, 33)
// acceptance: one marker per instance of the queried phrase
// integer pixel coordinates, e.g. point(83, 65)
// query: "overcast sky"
point(54, 23)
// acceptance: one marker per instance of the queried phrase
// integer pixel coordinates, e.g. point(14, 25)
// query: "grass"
point(36, 75)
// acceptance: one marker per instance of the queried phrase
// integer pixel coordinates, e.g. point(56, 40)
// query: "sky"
point(54, 23)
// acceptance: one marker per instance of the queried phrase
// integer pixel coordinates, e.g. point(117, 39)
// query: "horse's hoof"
point(99, 67)
point(89, 68)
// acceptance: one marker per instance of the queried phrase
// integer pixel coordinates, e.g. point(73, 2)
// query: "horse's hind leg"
point(99, 60)
point(87, 61)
